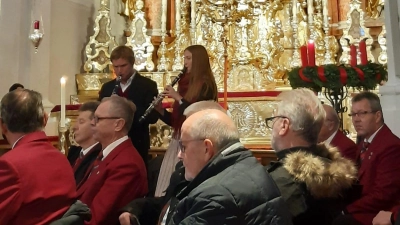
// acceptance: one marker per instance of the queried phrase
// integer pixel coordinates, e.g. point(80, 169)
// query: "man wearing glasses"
point(118, 175)
point(227, 184)
point(311, 177)
point(378, 158)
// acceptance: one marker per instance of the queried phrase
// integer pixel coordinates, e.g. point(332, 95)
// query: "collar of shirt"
point(128, 82)
point(330, 138)
point(17, 141)
point(373, 135)
point(85, 151)
point(113, 145)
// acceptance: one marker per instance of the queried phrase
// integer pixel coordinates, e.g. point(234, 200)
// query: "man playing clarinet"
point(138, 89)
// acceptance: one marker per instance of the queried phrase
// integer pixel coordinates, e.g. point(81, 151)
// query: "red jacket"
point(379, 175)
point(345, 145)
point(120, 178)
point(37, 184)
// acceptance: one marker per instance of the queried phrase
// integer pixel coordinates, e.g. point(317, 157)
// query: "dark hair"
point(123, 52)
point(122, 107)
point(15, 87)
point(89, 106)
point(22, 111)
point(372, 98)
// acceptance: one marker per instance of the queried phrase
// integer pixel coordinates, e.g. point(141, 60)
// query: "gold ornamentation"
point(140, 42)
point(97, 49)
point(382, 58)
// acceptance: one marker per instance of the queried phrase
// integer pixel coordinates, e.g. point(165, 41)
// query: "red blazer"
point(345, 145)
point(37, 184)
point(379, 175)
point(120, 178)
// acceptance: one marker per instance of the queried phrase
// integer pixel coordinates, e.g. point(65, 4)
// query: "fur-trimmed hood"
point(325, 172)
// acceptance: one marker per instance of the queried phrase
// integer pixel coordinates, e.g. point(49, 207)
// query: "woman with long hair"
point(197, 84)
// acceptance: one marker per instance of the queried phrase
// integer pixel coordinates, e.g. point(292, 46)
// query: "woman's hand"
point(170, 92)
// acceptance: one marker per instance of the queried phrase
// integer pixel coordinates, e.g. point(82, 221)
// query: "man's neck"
point(14, 137)
point(293, 143)
point(105, 143)
point(87, 144)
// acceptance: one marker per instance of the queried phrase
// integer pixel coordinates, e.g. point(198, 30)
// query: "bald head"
point(211, 124)
point(330, 125)
point(202, 105)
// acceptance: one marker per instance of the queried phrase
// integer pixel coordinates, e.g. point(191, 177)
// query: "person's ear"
point(45, 119)
point(284, 126)
point(3, 127)
point(119, 124)
point(209, 149)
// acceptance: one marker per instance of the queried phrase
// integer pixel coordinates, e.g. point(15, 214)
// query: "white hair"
point(202, 105)
point(304, 110)
point(211, 126)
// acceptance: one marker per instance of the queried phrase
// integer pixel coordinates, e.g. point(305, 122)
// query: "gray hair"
point(122, 107)
point(211, 126)
point(22, 111)
point(305, 112)
point(202, 105)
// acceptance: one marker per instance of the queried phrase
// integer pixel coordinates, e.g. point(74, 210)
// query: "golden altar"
point(259, 40)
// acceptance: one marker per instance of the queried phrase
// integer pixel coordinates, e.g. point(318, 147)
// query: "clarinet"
point(160, 97)
point(117, 82)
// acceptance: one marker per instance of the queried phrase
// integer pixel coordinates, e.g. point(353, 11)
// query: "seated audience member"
point(310, 177)
point(16, 86)
point(147, 210)
point(37, 185)
point(378, 158)
point(118, 175)
point(82, 157)
point(227, 184)
point(331, 135)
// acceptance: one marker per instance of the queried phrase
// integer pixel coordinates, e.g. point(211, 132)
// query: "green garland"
point(331, 76)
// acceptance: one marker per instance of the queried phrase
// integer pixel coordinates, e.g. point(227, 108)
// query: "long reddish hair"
point(200, 74)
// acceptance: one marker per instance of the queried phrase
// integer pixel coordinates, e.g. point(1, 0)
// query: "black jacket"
point(141, 92)
point(148, 210)
point(233, 188)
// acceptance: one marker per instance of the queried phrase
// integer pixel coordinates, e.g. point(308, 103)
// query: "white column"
point(390, 92)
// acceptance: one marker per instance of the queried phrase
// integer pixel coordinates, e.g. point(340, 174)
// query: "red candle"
point(36, 24)
point(303, 54)
point(311, 53)
point(353, 55)
point(363, 52)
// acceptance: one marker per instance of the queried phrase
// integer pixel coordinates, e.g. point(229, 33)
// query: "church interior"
point(254, 47)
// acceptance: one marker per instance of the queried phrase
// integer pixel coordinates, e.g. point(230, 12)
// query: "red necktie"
point(78, 161)
point(364, 149)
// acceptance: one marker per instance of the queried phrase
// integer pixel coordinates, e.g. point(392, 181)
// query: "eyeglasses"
point(361, 114)
point(270, 120)
point(98, 118)
point(183, 148)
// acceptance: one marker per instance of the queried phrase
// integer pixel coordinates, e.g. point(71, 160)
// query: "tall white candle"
point(294, 10)
point(178, 15)
point(163, 16)
point(310, 11)
point(62, 116)
point(325, 11)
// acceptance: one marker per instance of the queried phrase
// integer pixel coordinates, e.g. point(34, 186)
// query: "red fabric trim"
point(360, 73)
point(302, 76)
point(321, 73)
point(343, 76)
point(57, 108)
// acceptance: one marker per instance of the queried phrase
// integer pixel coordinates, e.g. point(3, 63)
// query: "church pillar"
point(390, 92)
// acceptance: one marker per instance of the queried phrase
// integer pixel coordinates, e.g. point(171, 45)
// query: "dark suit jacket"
point(86, 162)
point(141, 92)
point(37, 185)
point(119, 178)
point(73, 154)
point(379, 175)
point(345, 145)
